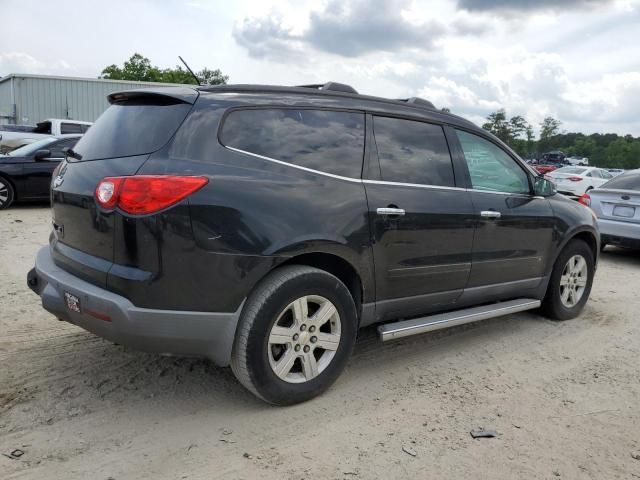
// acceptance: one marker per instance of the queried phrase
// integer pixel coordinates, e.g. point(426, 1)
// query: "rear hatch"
point(614, 204)
point(137, 123)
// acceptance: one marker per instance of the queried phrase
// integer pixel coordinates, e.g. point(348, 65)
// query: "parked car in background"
point(575, 181)
point(551, 161)
point(15, 136)
point(579, 161)
point(262, 226)
point(25, 173)
point(617, 206)
point(615, 171)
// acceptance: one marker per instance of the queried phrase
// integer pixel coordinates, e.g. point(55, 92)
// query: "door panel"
point(423, 256)
point(514, 229)
point(425, 253)
point(514, 246)
point(38, 176)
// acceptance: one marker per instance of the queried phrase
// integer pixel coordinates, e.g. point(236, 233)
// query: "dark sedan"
point(25, 173)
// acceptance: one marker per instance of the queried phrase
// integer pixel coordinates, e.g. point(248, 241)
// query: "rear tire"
point(570, 283)
point(295, 336)
point(7, 193)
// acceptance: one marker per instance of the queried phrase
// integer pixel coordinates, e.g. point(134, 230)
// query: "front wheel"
point(570, 283)
point(295, 336)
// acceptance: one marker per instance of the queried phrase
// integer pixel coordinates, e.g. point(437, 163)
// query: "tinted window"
point(70, 128)
point(132, 128)
point(412, 152)
point(626, 181)
point(331, 142)
point(490, 167)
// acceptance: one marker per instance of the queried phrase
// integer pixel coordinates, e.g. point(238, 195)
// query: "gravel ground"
point(564, 398)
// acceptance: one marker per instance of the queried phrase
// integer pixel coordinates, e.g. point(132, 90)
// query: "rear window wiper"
point(69, 152)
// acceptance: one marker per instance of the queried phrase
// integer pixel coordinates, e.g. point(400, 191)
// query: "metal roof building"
point(29, 99)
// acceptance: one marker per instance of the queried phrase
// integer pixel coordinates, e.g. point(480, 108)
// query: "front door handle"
point(390, 211)
point(490, 214)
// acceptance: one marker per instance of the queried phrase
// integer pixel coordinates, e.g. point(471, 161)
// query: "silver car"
point(617, 206)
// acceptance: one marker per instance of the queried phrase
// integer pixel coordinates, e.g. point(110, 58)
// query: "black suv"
point(261, 226)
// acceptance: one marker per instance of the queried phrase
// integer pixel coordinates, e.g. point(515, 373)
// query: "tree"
point(497, 124)
point(515, 132)
point(550, 127)
point(139, 68)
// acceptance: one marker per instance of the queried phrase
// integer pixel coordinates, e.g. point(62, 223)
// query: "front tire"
point(570, 283)
point(7, 193)
point(295, 336)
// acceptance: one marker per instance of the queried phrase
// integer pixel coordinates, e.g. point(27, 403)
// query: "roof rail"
point(418, 101)
point(333, 86)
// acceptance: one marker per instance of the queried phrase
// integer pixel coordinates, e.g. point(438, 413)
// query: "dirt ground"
point(563, 397)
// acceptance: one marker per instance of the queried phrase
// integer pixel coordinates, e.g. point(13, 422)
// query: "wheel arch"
point(588, 236)
point(336, 265)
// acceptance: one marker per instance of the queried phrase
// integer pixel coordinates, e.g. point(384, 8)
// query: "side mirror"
point(40, 154)
point(543, 187)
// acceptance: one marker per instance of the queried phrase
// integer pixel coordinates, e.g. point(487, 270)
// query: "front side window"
point(490, 167)
point(413, 152)
point(328, 141)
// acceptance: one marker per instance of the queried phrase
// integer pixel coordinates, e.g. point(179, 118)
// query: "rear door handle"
point(490, 214)
point(390, 211)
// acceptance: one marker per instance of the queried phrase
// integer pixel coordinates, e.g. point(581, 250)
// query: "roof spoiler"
point(160, 94)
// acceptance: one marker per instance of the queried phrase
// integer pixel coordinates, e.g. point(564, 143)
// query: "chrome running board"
point(415, 326)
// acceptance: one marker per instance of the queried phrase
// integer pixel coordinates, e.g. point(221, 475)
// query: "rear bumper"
point(615, 233)
point(115, 318)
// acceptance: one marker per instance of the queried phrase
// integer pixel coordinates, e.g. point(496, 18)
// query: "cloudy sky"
point(577, 60)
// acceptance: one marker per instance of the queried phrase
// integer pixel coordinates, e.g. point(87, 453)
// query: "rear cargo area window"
point(133, 127)
point(413, 152)
point(328, 141)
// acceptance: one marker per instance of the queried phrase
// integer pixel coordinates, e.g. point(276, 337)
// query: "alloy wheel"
point(304, 339)
point(573, 281)
point(4, 193)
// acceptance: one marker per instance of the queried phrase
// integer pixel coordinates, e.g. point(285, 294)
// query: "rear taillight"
point(575, 179)
point(145, 194)
point(585, 199)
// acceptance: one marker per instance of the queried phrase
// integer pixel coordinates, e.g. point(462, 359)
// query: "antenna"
point(198, 82)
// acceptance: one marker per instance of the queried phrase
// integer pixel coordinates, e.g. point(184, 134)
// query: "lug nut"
point(297, 348)
point(312, 329)
point(307, 348)
point(295, 337)
point(303, 327)
point(314, 339)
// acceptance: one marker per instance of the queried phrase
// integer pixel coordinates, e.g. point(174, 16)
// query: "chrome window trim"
point(372, 182)
point(299, 167)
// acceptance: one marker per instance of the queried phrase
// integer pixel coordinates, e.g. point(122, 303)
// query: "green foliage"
point(603, 150)
point(139, 68)
point(515, 132)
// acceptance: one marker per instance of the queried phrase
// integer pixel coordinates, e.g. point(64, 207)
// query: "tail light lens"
point(575, 179)
point(585, 199)
point(145, 194)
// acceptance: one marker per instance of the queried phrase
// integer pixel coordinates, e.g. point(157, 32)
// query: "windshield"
point(31, 148)
point(571, 170)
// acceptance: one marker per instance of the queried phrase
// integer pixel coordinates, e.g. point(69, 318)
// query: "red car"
point(545, 168)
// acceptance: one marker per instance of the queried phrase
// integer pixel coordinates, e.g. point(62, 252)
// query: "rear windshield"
point(626, 181)
point(133, 127)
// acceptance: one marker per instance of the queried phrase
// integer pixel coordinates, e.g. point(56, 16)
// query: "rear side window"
point(133, 127)
point(413, 152)
point(626, 181)
point(327, 141)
